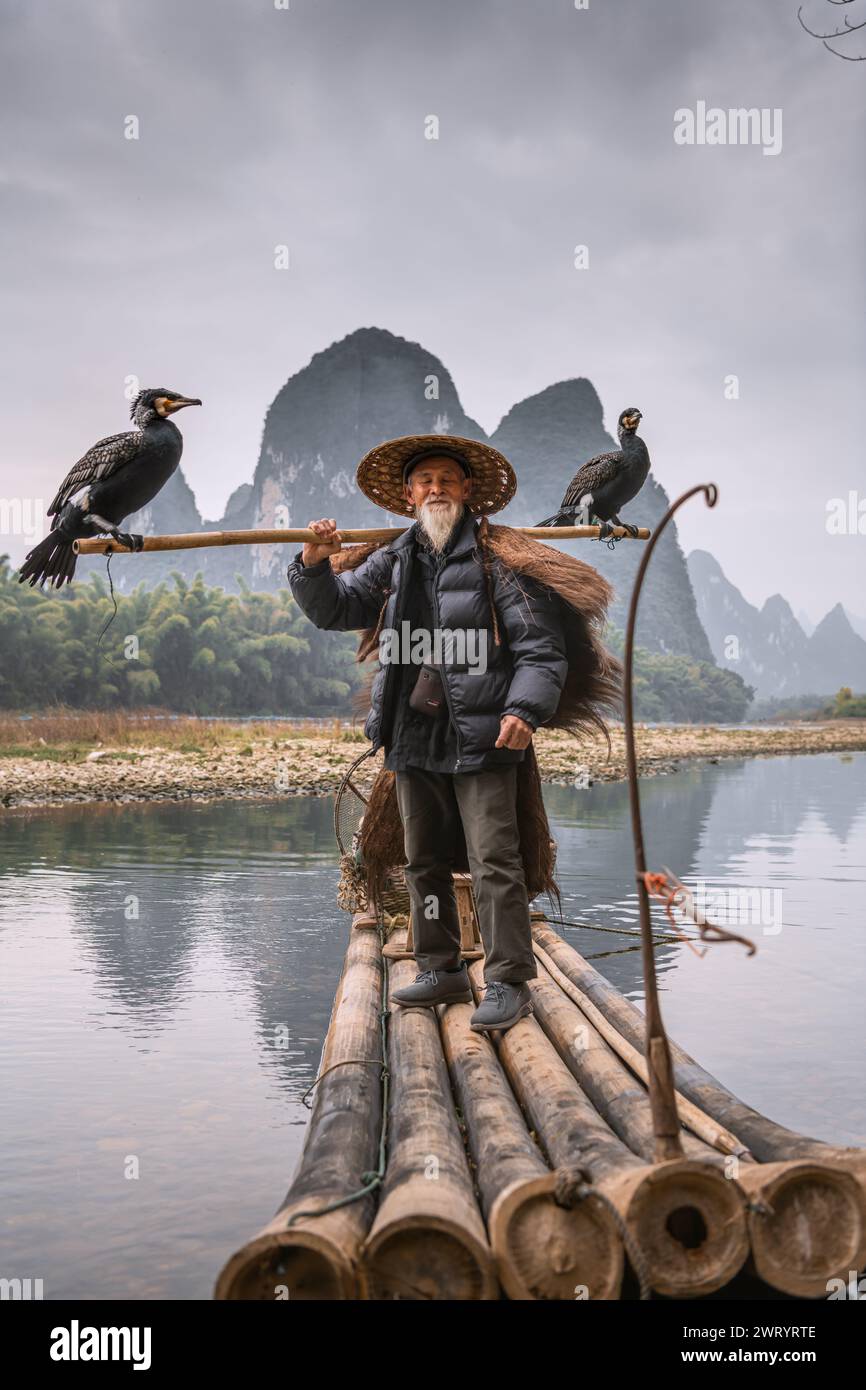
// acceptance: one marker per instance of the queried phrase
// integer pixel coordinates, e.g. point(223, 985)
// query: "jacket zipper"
point(387, 687)
point(444, 678)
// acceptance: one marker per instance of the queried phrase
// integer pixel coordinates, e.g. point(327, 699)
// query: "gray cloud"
point(258, 127)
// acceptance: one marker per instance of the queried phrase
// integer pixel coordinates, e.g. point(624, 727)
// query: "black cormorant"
point(604, 484)
point(115, 478)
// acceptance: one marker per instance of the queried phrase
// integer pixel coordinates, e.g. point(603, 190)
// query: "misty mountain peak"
point(778, 610)
point(373, 385)
point(560, 415)
point(705, 566)
point(835, 625)
point(768, 647)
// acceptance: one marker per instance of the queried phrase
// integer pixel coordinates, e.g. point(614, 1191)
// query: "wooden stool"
point(470, 937)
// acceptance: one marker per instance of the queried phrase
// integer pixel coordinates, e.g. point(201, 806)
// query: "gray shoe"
point(433, 987)
point(503, 1004)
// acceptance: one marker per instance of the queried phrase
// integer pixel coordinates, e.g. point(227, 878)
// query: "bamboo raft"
point(578, 1155)
point(520, 1165)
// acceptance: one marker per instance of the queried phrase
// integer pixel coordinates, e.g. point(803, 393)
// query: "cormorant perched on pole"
point(115, 478)
point(608, 481)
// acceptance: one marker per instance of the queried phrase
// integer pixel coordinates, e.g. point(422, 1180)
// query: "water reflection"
point(169, 972)
point(145, 889)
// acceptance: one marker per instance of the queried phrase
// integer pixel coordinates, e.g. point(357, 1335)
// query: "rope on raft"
point(574, 1185)
point(617, 931)
point(370, 1180)
point(673, 893)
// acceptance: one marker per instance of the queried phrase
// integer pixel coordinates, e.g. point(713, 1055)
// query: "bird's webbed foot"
point(632, 530)
point(124, 538)
point(604, 531)
point(130, 540)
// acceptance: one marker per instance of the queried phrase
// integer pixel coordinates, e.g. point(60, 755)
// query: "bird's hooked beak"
point(167, 405)
point(632, 421)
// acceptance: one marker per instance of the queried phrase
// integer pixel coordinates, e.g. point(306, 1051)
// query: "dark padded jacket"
point(525, 673)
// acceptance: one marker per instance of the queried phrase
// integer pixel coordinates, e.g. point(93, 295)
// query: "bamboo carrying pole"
point(686, 1220)
point(428, 1239)
point(543, 1250)
point(316, 1257)
point(807, 1200)
point(200, 540)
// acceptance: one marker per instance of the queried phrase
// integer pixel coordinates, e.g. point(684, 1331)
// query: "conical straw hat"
point(380, 472)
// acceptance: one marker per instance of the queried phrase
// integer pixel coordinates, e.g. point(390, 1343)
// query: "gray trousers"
point(432, 807)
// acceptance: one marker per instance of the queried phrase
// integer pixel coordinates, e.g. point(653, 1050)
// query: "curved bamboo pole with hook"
point(666, 1122)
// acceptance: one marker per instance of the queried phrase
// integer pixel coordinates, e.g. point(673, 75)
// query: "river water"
point(168, 971)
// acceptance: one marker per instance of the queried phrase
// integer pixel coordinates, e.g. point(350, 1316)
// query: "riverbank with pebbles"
point(245, 761)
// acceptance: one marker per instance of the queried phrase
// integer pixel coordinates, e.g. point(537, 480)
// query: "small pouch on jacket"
point(428, 693)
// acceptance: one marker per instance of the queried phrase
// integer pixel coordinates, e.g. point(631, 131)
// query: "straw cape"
point(592, 686)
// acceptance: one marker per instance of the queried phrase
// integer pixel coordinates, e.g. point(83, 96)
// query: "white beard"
point(438, 521)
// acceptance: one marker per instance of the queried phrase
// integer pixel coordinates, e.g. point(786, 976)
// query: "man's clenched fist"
point(331, 541)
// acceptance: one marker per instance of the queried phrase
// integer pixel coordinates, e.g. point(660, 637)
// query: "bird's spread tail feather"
point(560, 519)
point(52, 559)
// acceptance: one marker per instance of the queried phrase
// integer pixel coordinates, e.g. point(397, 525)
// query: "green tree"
point(182, 645)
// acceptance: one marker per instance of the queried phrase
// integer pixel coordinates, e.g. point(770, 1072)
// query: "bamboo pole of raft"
point(807, 1224)
point(543, 1250)
point(428, 1239)
point(765, 1139)
point(315, 1257)
point(617, 1095)
point(685, 1219)
point(807, 1199)
point(714, 1135)
point(284, 535)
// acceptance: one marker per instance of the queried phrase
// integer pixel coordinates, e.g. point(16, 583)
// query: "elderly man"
point(453, 730)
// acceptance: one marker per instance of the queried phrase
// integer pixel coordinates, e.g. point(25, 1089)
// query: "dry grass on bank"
point(70, 756)
point(66, 732)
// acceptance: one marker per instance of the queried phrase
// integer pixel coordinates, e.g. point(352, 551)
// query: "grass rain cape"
point(592, 688)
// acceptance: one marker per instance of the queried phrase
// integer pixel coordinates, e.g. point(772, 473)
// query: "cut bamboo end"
point(364, 921)
point(548, 1252)
point(428, 1239)
point(295, 1264)
point(689, 1223)
point(543, 1250)
point(687, 1220)
point(316, 1258)
point(807, 1225)
point(851, 1161)
point(427, 1256)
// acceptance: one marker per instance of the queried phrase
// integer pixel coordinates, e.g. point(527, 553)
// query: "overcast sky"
point(261, 126)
